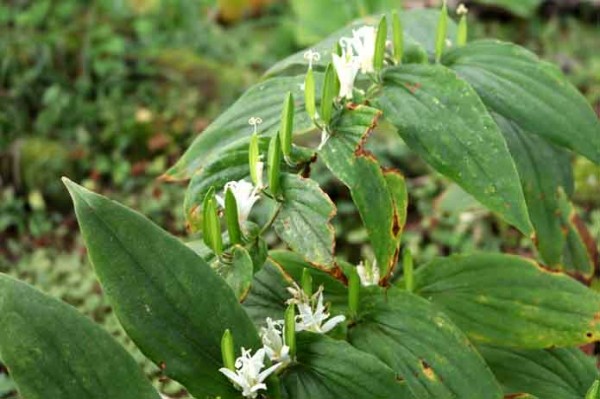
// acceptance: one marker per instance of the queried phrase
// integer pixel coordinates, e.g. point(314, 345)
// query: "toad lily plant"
point(257, 303)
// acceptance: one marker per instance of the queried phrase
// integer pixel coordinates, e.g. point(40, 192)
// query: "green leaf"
point(548, 373)
point(580, 248)
point(327, 368)
point(382, 212)
point(541, 167)
point(237, 271)
point(261, 100)
point(170, 302)
point(303, 221)
point(533, 94)
point(510, 301)
point(52, 351)
point(423, 346)
point(441, 118)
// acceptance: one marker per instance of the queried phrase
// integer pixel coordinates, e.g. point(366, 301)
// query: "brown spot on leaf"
point(427, 370)
point(413, 87)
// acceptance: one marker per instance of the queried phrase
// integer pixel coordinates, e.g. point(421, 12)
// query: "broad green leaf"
point(327, 368)
point(533, 94)
point(541, 167)
point(441, 118)
point(268, 292)
point(580, 248)
point(345, 156)
point(303, 221)
point(521, 8)
point(423, 346)
point(505, 300)
point(263, 100)
point(170, 302)
point(548, 373)
point(419, 27)
point(237, 271)
point(52, 351)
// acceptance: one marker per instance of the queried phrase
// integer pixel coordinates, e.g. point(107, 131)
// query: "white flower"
point(346, 66)
point(363, 42)
point(313, 315)
point(462, 9)
point(245, 195)
point(273, 341)
point(311, 56)
point(248, 376)
point(254, 121)
point(298, 294)
point(369, 274)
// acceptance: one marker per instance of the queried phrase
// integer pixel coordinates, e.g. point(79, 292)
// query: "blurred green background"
point(110, 93)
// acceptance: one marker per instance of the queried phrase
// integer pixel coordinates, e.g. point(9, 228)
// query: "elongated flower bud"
point(380, 40)
point(309, 94)
point(289, 329)
point(231, 217)
point(462, 32)
point(594, 391)
point(329, 93)
point(254, 161)
point(353, 291)
point(227, 350)
point(408, 269)
point(307, 282)
point(398, 36)
point(442, 28)
point(274, 164)
point(287, 125)
point(210, 223)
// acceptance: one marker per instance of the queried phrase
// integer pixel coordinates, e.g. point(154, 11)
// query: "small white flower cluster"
point(249, 375)
point(312, 314)
point(368, 273)
point(357, 55)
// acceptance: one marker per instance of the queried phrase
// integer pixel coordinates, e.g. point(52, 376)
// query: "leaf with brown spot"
point(379, 196)
point(304, 220)
point(422, 345)
point(511, 301)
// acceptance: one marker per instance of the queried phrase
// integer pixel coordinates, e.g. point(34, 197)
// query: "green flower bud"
point(274, 164)
point(307, 282)
point(442, 28)
point(330, 90)
point(398, 33)
point(227, 351)
point(254, 161)
point(287, 125)
point(380, 40)
point(211, 226)
point(309, 94)
point(353, 291)
point(408, 269)
point(231, 218)
point(289, 328)
point(594, 391)
point(462, 32)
